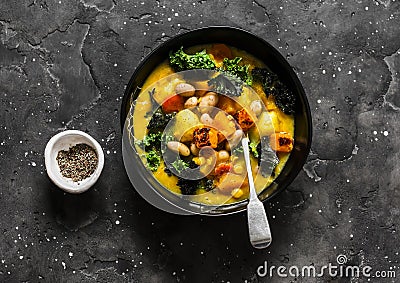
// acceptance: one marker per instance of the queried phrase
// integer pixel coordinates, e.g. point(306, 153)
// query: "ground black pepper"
point(78, 163)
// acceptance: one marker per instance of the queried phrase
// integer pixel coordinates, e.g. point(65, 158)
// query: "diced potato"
point(268, 123)
point(225, 124)
point(166, 90)
point(185, 124)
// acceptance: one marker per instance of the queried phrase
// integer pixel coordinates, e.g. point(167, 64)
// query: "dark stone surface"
point(64, 65)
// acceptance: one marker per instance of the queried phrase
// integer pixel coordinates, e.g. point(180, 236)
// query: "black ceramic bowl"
point(274, 60)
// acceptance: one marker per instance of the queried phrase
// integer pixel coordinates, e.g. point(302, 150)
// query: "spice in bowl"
point(78, 163)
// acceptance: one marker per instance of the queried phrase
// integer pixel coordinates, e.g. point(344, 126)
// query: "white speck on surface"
point(375, 132)
point(339, 69)
point(70, 254)
point(319, 101)
point(21, 257)
point(366, 8)
point(351, 236)
point(63, 264)
point(385, 133)
point(347, 181)
point(33, 164)
point(323, 72)
point(117, 222)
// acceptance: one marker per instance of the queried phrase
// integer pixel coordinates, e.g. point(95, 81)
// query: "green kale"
point(182, 61)
point(153, 159)
point(151, 143)
point(206, 184)
point(227, 84)
point(159, 120)
point(231, 78)
point(152, 140)
point(253, 149)
point(180, 165)
point(241, 71)
point(284, 98)
point(237, 150)
point(188, 187)
point(267, 159)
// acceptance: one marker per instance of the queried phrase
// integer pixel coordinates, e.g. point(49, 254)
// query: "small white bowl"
point(63, 141)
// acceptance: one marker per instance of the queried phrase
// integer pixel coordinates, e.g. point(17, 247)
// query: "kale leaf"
point(182, 61)
point(152, 140)
point(284, 98)
point(227, 84)
point(188, 187)
point(232, 77)
point(267, 159)
point(234, 67)
point(151, 143)
point(206, 184)
point(253, 149)
point(153, 159)
point(159, 120)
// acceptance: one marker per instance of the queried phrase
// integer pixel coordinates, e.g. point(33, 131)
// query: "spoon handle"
point(259, 230)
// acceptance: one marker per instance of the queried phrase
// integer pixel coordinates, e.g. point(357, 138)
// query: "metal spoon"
point(259, 231)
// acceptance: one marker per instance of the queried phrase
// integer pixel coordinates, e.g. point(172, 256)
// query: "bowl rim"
point(50, 171)
point(236, 206)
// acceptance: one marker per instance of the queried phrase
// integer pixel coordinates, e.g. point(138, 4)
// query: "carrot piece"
point(281, 142)
point(173, 104)
point(223, 168)
point(220, 51)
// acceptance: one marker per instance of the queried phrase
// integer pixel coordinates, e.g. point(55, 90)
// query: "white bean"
point(210, 99)
point(191, 102)
point(235, 138)
point(256, 107)
point(178, 147)
point(185, 89)
point(206, 119)
point(223, 155)
point(194, 149)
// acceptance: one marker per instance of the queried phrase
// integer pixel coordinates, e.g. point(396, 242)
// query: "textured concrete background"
point(64, 65)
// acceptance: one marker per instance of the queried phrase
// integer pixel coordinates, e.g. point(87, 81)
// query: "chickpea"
point(185, 89)
point(191, 102)
point(194, 149)
point(223, 155)
point(238, 169)
point(206, 119)
point(256, 107)
point(237, 193)
point(178, 147)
